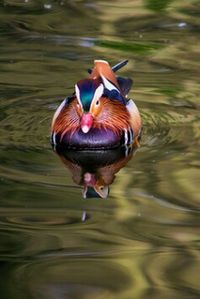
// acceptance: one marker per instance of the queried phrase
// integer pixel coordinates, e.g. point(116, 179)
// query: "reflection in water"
point(142, 243)
point(95, 170)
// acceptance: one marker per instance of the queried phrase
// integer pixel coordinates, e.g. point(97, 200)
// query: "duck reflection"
point(95, 170)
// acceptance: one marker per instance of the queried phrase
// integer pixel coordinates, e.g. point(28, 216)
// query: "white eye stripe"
point(77, 91)
point(108, 84)
point(98, 93)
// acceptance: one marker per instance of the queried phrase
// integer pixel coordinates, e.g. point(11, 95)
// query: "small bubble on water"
point(182, 24)
point(47, 6)
point(87, 42)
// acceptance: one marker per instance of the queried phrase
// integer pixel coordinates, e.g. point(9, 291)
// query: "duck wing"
point(114, 87)
point(125, 85)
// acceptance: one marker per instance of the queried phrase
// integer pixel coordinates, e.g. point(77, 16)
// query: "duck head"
point(88, 93)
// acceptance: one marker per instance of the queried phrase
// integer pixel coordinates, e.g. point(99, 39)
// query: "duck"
point(98, 114)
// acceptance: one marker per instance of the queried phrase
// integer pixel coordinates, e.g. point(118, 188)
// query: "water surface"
point(143, 241)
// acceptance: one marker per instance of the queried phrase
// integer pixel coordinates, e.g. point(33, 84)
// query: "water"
point(143, 240)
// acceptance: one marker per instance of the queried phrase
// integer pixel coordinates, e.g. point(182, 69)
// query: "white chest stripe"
point(54, 138)
point(131, 135)
point(128, 136)
point(131, 107)
point(125, 137)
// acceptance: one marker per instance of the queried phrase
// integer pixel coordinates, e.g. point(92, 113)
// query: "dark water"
point(143, 241)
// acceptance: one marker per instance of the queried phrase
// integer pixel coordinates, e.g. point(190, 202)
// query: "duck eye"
point(97, 103)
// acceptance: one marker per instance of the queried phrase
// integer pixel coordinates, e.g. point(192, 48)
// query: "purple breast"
point(94, 139)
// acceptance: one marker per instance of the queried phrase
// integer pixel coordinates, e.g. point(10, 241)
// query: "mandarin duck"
point(98, 115)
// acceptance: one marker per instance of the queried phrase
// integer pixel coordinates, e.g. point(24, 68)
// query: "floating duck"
point(98, 115)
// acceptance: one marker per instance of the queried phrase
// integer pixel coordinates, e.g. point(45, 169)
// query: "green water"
point(141, 242)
